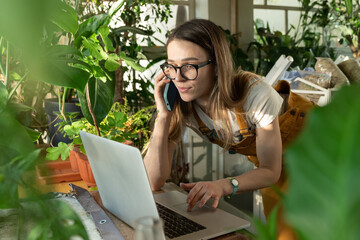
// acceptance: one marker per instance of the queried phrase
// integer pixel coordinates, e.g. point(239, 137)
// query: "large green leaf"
point(62, 15)
point(61, 51)
point(94, 48)
point(21, 22)
point(101, 97)
point(116, 7)
point(104, 33)
point(14, 140)
point(135, 30)
point(59, 73)
point(267, 231)
point(11, 172)
point(34, 135)
point(131, 62)
point(3, 96)
point(59, 67)
point(55, 219)
point(19, 107)
point(91, 26)
point(324, 171)
point(112, 63)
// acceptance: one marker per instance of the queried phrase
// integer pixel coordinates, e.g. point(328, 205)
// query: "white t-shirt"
point(261, 107)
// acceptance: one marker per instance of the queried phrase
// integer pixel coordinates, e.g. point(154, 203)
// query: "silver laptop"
point(125, 191)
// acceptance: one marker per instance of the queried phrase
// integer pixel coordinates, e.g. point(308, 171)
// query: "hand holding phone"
point(171, 95)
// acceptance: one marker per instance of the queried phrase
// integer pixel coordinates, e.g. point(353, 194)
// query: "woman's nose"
point(178, 76)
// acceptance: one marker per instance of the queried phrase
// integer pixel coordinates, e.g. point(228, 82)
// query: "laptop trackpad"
point(195, 211)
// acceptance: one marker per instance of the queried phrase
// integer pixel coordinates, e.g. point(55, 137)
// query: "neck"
point(203, 105)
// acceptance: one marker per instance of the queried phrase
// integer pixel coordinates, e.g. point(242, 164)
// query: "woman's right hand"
point(158, 158)
point(160, 81)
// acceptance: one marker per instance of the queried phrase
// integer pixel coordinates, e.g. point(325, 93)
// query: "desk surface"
point(126, 230)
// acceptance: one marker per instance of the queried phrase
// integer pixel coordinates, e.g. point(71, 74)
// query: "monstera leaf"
point(323, 201)
point(101, 97)
point(59, 67)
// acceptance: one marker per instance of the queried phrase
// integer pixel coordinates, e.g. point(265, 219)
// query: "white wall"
point(220, 13)
point(245, 23)
point(202, 9)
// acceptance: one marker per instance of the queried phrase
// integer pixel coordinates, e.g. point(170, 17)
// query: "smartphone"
point(171, 95)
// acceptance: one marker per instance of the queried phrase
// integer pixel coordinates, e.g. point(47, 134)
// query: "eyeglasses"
point(187, 71)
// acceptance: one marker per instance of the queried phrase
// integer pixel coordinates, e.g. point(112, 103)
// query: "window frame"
point(286, 9)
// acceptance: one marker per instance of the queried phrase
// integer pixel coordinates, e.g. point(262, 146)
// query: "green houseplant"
point(43, 60)
point(136, 39)
point(332, 14)
point(303, 47)
point(119, 125)
point(348, 16)
point(91, 55)
point(17, 152)
point(102, 51)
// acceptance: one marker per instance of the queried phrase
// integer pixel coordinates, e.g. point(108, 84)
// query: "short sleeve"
point(262, 105)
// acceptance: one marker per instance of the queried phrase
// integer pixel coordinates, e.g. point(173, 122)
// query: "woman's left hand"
point(202, 191)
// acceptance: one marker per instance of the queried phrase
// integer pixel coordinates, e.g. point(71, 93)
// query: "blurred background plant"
point(347, 15)
point(22, 49)
point(132, 35)
point(321, 24)
point(311, 38)
point(96, 53)
point(136, 22)
point(50, 52)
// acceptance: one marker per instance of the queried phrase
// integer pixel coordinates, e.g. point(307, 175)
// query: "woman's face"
point(182, 52)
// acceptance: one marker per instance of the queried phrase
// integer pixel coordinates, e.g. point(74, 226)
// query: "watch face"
point(234, 182)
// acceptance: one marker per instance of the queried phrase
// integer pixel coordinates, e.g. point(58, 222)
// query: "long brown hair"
point(230, 89)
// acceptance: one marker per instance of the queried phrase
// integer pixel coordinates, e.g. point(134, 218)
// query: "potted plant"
point(87, 66)
point(119, 125)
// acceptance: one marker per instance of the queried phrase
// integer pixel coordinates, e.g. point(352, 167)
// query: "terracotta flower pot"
point(84, 168)
point(56, 171)
point(129, 142)
point(73, 161)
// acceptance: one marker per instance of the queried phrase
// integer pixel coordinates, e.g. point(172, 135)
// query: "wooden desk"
point(125, 229)
point(62, 187)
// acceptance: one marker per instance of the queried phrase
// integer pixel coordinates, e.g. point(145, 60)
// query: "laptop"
point(125, 191)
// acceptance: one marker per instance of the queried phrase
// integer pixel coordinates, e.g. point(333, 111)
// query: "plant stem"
point(61, 104)
point(17, 85)
point(1, 65)
point(91, 110)
point(7, 65)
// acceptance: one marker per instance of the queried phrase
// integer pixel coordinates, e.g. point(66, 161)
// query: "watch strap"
point(235, 186)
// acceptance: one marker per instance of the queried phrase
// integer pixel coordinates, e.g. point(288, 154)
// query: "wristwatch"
point(235, 185)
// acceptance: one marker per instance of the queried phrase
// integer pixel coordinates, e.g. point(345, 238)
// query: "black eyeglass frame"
point(196, 66)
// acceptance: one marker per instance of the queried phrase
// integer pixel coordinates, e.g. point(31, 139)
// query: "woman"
point(211, 97)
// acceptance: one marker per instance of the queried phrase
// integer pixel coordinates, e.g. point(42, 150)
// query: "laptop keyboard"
point(176, 225)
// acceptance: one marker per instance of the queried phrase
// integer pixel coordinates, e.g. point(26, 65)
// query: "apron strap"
point(244, 129)
point(202, 127)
